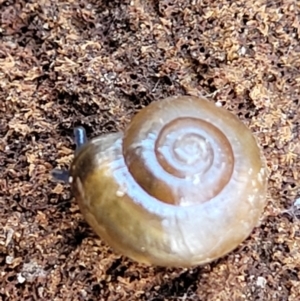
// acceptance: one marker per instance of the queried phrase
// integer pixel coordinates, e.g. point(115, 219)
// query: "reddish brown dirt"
point(96, 63)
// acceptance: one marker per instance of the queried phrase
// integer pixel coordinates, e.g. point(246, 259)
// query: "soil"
point(97, 63)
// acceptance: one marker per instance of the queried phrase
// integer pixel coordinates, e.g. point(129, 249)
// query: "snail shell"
point(183, 185)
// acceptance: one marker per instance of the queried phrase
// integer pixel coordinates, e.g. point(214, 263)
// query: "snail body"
point(183, 185)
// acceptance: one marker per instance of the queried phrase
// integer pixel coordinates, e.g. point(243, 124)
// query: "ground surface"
point(96, 63)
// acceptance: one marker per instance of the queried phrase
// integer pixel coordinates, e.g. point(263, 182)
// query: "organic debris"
point(96, 63)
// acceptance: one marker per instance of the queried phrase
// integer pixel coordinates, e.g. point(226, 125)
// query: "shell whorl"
point(178, 152)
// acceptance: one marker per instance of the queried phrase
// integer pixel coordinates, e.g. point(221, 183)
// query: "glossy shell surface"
point(184, 185)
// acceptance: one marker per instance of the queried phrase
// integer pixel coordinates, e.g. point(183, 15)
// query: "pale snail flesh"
point(183, 185)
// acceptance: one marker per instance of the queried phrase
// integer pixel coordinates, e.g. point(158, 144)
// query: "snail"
point(184, 185)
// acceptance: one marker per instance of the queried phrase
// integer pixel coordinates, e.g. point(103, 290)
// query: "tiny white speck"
point(251, 198)
point(9, 259)
point(250, 171)
point(70, 180)
point(253, 183)
point(297, 203)
point(242, 51)
point(20, 278)
point(261, 281)
point(218, 104)
point(120, 193)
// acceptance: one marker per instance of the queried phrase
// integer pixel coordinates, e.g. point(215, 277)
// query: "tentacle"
point(80, 137)
point(61, 175)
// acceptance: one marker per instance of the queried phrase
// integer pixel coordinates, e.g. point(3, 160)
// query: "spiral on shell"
point(184, 184)
point(183, 155)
